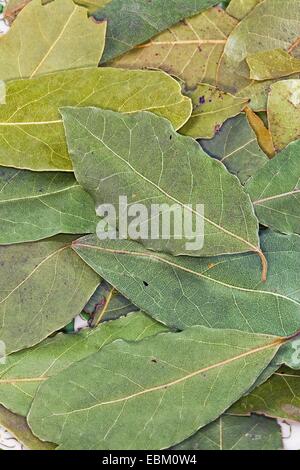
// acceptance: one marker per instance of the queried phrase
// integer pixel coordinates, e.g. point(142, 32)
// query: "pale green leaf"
point(275, 191)
point(170, 169)
point(135, 21)
point(92, 5)
point(130, 392)
point(224, 292)
point(211, 108)
point(18, 427)
point(284, 112)
point(241, 8)
point(24, 371)
point(189, 50)
point(43, 285)
point(236, 433)
point(236, 146)
point(268, 65)
point(273, 24)
point(47, 38)
point(38, 205)
point(31, 130)
point(279, 397)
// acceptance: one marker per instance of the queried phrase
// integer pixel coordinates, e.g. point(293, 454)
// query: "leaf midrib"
point(276, 343)
point(158, 258)
point(253, 248)
point(39, 196)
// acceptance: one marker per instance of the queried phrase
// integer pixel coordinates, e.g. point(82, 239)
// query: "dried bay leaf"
point(38, 205)
point(131, 391)
point(201, 180)
point(236, 146)
point(236, 433)
point(108, 304)
point(36, 45)
point(275, 191)
point(24, 371)
point(263, 134)
point(31, 130)
point(272, 24)
point(284, 112)
point(92, 5)
point(43, 286)
point(224, 292)
point(268, 65)
point(18, 427)
point(190, 50)
point(135, 21)
point(279, 397)
point(211, 108)
point(241, 8)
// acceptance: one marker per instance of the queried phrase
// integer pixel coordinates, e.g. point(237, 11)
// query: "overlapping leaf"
point(136, 21)
point(24, 371)
point(38, 205)
point(271, 25)
point(275, 191)
point(268, 65)
point(18, 427)
point(167, 173)
point(211, 108)
point(43, 286)
point(236, 146)
point(284, 112)
point(108, 304)
point(224, 292)
point(131, 391)
point(36, 46)
point(236, 433)
point(241, 8)
point(31, 130)
point(191, 50)
point(279, 397)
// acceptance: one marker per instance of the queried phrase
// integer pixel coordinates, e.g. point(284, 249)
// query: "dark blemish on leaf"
point(145, 283)
point(154, 361)
point(171, 137)
point(98, 21)
point(202, 100)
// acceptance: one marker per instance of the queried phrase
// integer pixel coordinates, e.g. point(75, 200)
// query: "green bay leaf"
point(130, 392)
point(34, 206)
point(18, 427)
point(284, 112)
point(268, 65)
point(36, 45)
point(275, 191)
point(279, 397)
point(31, 130)
point(241, 8)
point(223, 292)
point(171, 169)
point(190, 50)
point(24, 371)
point(272, 24)
point(236, 146)
point(211, 108)
point(236, 433)
point(135, 21)
point(43, 286)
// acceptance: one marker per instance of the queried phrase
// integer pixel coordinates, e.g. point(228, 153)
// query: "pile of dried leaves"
point(193, 102)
